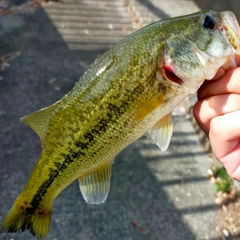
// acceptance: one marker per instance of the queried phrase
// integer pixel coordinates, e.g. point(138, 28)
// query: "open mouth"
point(169, 74)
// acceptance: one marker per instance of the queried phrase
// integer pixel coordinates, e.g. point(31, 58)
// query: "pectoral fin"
point(153, 103)
point(95, 186)
point(161, 133)
point(39, 120)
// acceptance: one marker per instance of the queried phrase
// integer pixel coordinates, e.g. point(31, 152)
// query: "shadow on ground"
point(230, 5)
point(137, 207)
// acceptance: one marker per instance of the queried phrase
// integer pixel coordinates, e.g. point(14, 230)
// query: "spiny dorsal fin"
point(153, 103)
point(95, 186)
point(161, 133)
point(39, 120)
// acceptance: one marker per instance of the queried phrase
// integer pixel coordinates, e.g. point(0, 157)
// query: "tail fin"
point(18, 220)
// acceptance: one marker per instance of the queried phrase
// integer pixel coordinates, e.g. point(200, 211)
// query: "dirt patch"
point(229, 207)
point(230, 218)
point(6, 7)
point(229, 222)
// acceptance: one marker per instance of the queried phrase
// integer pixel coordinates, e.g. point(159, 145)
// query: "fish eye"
point(209, 23)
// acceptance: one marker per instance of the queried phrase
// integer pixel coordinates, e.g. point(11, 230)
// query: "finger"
point(232, 162)
point(219, 74)
point(209, 108)
point(229, 149)
point(224, 135)
point(229, 83)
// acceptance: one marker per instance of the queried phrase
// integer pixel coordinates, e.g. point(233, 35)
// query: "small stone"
point(189, 194)
point(110, 26)
point(225, 232)
point(57, 88)
point(133, 223)
point(210, 172)
point(217, 228)
point(218, 200)
point(52, 80)
point(2, 113)
point(224, 208)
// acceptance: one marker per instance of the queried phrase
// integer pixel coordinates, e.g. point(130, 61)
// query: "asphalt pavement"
point(154, 195)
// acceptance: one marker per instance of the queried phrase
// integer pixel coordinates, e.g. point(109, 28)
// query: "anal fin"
point(96, 185)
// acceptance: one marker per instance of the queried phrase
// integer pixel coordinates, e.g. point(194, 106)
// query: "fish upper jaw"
point(231, 30)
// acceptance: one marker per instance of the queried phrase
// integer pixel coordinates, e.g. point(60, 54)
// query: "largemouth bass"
point(127, 92)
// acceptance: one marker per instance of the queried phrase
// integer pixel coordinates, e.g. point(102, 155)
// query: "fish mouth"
point(233, 29)
point(170, 75)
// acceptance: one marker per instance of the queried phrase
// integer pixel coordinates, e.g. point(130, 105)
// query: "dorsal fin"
point(39, 120)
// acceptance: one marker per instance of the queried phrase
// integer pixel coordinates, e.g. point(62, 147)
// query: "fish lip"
point(229, 20)
point(231, 31)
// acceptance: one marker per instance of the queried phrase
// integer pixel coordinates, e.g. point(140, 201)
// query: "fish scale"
point(127, 92)
point(85, 136)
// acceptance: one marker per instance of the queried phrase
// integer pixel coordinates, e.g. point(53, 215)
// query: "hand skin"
point(218, 114)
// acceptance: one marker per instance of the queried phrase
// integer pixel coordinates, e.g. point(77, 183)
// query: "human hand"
point(218, 114)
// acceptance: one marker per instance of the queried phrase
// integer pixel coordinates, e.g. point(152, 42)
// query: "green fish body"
point(127, 92)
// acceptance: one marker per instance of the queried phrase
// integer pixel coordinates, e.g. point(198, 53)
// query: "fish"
point(129, 91)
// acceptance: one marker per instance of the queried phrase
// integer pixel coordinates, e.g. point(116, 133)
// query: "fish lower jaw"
point(191, 89)
point(232, 62)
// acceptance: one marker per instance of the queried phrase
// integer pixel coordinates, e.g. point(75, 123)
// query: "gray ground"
point(153, 195)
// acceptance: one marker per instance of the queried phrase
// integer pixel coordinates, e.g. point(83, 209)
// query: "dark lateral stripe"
point(69, 158)
point(53, 174)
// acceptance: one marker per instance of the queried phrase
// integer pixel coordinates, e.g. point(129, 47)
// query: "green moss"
point(223, 182)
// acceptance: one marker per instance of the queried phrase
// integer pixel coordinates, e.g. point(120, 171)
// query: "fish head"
point(209, 40)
